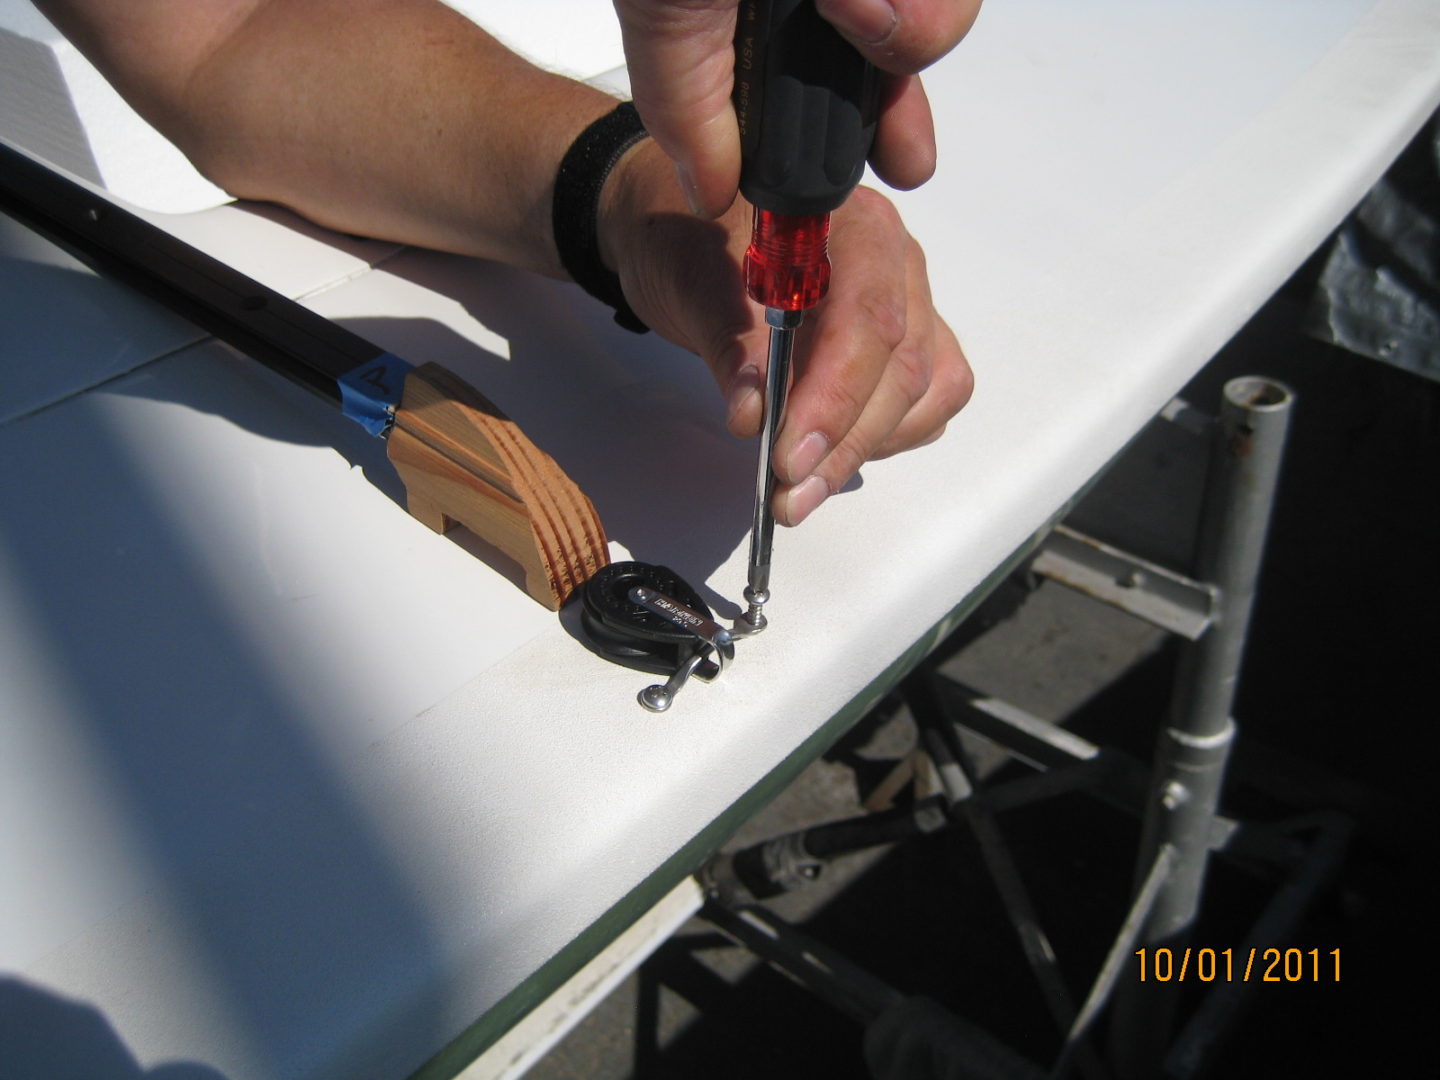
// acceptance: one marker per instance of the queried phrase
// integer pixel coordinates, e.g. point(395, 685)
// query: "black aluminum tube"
point(872, 830)
point(262, 323)
point(784, 862)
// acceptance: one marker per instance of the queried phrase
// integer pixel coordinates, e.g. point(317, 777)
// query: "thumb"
point(682, 66)
point(901, 36)
point(682, 276)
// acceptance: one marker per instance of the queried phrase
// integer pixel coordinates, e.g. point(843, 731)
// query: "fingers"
point(681, 59)
point(903, 154)
point(901, 36)
point(951, 384)
point(682, 275)
point(846, 343)
point(882, 372)
point(878, 371)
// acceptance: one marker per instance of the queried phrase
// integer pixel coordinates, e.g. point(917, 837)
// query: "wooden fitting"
point(465, 462)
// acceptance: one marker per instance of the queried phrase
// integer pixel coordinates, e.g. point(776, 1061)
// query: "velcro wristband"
point(576, 206)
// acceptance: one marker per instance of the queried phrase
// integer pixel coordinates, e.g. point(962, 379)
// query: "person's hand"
point(682, 62)
point(877, 371)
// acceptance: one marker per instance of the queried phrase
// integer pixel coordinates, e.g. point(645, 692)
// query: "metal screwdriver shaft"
point(806, 103)
point(762, 530)
point(787, 269)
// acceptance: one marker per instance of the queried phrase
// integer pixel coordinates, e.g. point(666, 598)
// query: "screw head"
point(655, 698)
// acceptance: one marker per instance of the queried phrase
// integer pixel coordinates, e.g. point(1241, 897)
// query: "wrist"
point(641, 186)
point(581, 181)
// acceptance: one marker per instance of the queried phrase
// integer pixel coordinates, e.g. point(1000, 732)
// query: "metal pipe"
point(1246, 452)
point(901, 1032)
point(827, 974)
point(1115, 960)
point(1240, 491)
point(960, 778)
point(1215, 1016)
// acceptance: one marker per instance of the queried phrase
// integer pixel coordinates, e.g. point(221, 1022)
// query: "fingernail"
point(868, 21)
point(803, 499)
point(808, 454)
point(744, 395)
point(688, 185)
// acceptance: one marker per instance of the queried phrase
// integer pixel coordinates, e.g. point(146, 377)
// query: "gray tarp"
point(1379, 292)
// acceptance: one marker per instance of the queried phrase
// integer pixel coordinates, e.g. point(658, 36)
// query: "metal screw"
point(753, 617)
point(656, 698)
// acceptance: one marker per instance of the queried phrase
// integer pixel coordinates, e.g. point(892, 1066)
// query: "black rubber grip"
point(806, 101)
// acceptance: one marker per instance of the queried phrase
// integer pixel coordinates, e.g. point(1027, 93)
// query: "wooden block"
point(464, 461)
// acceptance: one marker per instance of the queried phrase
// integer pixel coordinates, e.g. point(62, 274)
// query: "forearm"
point(397, 119)
point(400, 119)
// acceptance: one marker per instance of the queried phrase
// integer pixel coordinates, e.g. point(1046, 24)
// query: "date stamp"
point(1273, 965)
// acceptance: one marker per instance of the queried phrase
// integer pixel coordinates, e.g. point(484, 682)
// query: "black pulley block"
point(629, 634)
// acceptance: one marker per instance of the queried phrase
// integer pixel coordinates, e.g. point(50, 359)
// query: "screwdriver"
point(806, 102)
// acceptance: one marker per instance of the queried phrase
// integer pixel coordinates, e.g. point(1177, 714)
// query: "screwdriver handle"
point(806, 102)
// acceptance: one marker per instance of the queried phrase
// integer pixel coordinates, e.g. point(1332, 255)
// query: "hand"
point(682, 61)
point(877, 370)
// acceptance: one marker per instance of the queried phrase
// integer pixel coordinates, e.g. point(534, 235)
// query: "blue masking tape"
point(370, 393)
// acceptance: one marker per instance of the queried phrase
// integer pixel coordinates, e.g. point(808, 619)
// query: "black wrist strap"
point(576, 206)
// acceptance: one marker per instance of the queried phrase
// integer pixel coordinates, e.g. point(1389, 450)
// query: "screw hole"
point(1257, 393)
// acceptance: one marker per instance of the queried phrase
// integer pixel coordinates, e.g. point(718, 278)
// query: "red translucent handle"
point(786, 266)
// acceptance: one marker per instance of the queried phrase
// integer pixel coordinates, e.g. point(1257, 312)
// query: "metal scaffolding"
point(1209, 609)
